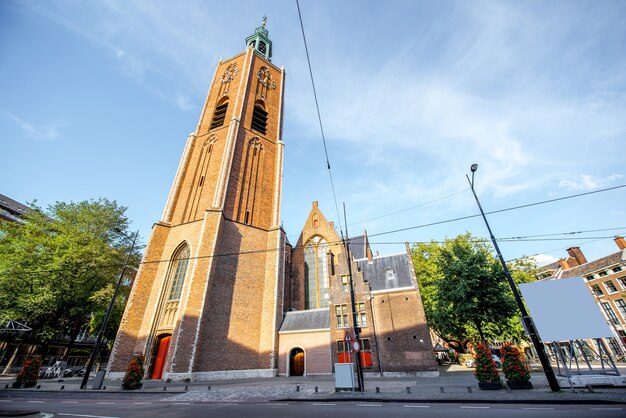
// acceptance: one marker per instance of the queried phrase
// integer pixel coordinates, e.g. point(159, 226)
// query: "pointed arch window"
point(316, 274)
point(220, 114)
point(178, 273)
point(259, 118)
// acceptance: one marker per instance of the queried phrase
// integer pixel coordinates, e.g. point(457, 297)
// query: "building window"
point(366, 353)
point(589, 278)
point(602, 273)
point(178, 272)
point(616, 269)
point(316, 274)
point(621, 306)
point(622, 282)
point(613, 346)
point(219, 115)
point(609, 313)
point(361, 315)
point(596, 290)
point(343, 353)
point(259, 119)
point(391, 280)
point(341, 312)
point(610, 287)
point(345, 283)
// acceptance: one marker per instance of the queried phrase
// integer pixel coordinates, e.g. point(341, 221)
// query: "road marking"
point(368, 404)
point(69, 402)
point(537, 408)
point(323, 404)
point(35, 401)
point(142, 403)
point(84, 415)
point(416, 406)
point(476, 407)
point(606, 409)
point(106, 403)
point(181, 403)
point(3, 400)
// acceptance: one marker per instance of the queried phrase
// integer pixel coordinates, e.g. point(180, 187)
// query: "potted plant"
point(134, 373)
point(517, 376)
point(486, 372)
point(27, 378)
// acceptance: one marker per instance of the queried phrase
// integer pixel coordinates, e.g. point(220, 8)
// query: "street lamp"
point(526, 318)
point(96, 348)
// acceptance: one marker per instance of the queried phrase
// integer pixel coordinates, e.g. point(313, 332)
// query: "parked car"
point(496, 360)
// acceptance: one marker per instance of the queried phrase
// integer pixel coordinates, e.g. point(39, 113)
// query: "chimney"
point(621, 243)
point(563, 264)
point(577, 254)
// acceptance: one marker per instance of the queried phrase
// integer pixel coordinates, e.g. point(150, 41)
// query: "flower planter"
point(519, 385)
point(490, 385)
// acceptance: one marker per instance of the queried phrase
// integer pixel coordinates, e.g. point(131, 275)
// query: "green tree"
point(57, 265)
point(465, 292)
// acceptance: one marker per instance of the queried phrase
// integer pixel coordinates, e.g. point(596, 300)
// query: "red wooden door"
point(159, 361)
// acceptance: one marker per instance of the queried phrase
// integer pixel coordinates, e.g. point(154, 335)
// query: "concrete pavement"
point(454, 384)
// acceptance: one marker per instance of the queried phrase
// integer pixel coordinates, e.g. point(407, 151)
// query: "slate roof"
point(306, 320)
point(375, 272)
point(10, 209)
point(357, 247)
point(598, 264)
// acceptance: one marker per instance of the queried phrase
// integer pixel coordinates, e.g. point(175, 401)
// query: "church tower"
point(207, 301)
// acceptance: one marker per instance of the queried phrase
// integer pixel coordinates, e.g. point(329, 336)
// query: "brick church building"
point(221, 293)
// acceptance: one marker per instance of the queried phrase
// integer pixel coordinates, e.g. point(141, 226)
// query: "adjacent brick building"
point(222, 294)
point(606, 280)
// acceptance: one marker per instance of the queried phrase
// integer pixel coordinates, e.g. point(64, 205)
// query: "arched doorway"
point(296, 362)
point(162, 345)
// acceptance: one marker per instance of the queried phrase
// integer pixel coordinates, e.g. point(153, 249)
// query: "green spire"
point(260, 40)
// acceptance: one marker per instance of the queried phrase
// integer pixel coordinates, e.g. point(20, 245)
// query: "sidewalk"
point(454, 384)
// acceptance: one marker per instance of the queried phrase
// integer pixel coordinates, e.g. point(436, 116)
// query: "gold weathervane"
point(264, 21)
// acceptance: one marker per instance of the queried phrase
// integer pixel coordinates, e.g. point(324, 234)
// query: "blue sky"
point(97, 99)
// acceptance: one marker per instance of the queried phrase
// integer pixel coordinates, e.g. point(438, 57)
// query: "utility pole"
point(526, 318)
point(357, 330)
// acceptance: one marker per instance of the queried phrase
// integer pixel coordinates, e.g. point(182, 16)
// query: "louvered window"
point(259, 120)
point(219, 115)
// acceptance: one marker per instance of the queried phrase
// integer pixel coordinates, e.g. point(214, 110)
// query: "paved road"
point(162, 408)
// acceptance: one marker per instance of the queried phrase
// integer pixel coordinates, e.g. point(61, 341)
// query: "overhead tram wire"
point(391, 232)
point(319, 117)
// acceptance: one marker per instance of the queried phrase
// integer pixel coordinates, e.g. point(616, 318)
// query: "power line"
point(510, 239)
point(319, 117)
point(541, 202)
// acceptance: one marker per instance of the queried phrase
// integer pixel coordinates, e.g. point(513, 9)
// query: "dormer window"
point(390, 279)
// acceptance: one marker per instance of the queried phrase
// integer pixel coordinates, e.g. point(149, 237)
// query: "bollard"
point(164, 388)
point(469, 389)
point(7, 386)
point(38, 386)
point(441, 389)
point(104, 388)
point(62, 387)
point(377, 389)
point(408, 389)
point(298, 388)
point(186, 388)
point(209, 387)
point(315, 389)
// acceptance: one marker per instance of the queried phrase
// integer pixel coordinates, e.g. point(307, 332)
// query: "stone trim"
point(397, 289)
point(305, 331)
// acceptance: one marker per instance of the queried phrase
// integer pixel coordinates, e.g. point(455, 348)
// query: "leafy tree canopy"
point(465, 292)
point(58, 266)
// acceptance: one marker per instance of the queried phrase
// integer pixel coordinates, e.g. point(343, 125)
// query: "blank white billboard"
point(564, 309)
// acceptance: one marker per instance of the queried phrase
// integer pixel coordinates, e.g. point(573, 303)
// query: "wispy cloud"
point(587, 182)
point(543, 259)
point(46, 132)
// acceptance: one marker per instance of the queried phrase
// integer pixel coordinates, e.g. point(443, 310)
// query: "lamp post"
point(526, 318)
point(96, 348)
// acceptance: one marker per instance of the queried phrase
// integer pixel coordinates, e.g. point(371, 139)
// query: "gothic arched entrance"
point(162, 346)
point(296, 362)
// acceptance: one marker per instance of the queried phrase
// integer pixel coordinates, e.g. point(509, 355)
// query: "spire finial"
point(264, 21)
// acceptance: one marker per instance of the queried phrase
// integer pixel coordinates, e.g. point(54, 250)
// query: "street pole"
point(357, 331)
point(96, 348)
point(526, 318)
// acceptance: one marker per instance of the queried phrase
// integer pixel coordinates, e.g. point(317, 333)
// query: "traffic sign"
point(356, 346)
point(348, 337)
